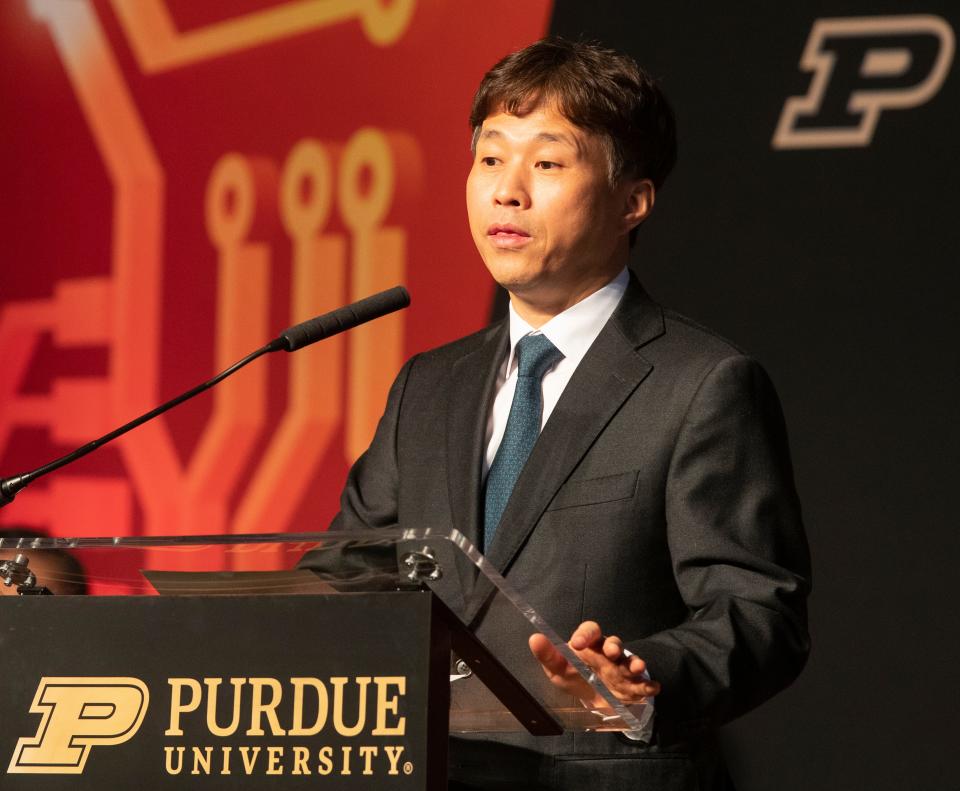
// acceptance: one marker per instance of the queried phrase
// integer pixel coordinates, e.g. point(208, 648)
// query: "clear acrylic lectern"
point(337, 593)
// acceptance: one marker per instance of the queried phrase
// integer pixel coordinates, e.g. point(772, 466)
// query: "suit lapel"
point(611, 370)
point(471, 390)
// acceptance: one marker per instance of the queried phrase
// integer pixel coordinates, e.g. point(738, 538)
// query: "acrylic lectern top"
point(333, 563)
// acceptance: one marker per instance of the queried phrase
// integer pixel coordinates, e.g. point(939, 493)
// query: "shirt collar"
point(574, 330)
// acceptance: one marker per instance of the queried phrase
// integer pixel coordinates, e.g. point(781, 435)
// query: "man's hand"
point(622, 675)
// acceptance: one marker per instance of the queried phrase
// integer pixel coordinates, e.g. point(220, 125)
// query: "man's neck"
point(537, 310)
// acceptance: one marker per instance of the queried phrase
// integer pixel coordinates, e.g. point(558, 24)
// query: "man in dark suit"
point(625, 469)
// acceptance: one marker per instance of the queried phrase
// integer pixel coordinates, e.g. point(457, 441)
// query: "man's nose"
point(512, 189)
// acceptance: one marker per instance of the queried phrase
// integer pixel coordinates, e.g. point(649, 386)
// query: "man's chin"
point(526, 290)
point(516, 280)
point(515, 284)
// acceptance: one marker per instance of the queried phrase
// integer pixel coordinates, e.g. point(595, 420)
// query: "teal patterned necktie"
point(535, 356)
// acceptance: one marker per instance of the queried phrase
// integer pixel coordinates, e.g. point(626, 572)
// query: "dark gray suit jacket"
point(658, 501)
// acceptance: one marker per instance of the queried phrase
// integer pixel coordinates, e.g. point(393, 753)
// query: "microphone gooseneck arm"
point(10, 486)
point(291, 339)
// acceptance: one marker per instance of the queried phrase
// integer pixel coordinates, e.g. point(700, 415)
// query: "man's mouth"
point(507, 236)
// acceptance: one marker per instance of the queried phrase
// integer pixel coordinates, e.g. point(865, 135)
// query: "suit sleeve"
point(369, 498)
point(739, 555)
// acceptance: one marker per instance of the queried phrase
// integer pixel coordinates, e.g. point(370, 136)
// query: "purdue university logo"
point(79, 713)
point(337, 725)
point(862, 66)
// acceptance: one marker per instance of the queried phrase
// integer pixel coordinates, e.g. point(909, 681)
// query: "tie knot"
point(536, 355)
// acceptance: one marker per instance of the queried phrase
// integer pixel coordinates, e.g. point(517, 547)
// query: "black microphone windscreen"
point(344, 318)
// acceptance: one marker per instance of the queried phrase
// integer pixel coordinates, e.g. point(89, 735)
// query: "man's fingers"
point(636, 665)
point(613, 648)
point(614, 674)
point(621, 674)
point(552, 660)
point(585, 635)
point(652, 688)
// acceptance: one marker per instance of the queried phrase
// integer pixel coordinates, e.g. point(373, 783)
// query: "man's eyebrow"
point(541, 137)
point(558, 137)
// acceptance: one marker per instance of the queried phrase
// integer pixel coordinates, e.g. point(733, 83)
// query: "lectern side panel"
point(215, 693)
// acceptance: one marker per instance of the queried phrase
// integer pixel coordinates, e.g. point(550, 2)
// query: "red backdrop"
point(182, 181)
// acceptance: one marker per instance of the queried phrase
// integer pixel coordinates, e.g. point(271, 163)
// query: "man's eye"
point(544, 165)
point(488, 161)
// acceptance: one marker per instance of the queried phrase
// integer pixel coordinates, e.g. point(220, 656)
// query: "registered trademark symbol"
point(407, 768)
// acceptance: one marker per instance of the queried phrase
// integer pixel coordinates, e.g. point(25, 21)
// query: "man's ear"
point(640, 197)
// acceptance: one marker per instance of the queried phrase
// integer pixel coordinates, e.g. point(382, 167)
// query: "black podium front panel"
point(326, 691)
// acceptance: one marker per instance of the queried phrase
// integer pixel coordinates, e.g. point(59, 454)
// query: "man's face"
point(543, 215)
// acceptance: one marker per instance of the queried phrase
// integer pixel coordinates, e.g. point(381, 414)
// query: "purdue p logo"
point(862, 66)
point(79, 713)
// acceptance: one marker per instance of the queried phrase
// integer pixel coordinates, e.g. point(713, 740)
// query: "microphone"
point(345, 318)
point(291, 339)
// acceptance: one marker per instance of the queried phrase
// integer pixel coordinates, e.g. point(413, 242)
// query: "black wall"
point(837, 269)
